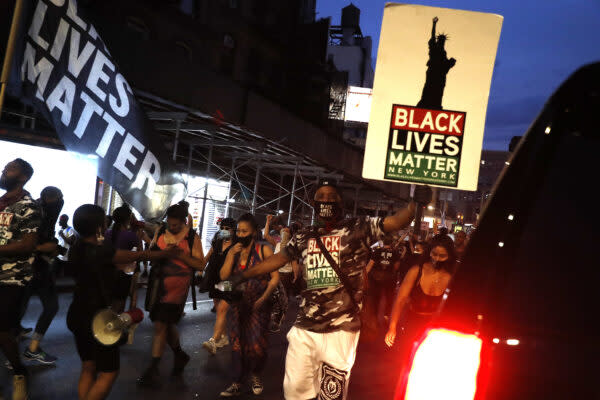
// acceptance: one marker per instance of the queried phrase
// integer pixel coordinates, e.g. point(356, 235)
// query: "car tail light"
point(444, 366)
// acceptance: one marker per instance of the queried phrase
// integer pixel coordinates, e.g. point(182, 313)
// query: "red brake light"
point(444, 366)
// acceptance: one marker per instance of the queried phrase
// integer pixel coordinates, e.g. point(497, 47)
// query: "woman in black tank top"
point(422, 290)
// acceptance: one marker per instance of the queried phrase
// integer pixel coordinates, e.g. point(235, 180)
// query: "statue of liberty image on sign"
point(438, 66)
point(425, 142)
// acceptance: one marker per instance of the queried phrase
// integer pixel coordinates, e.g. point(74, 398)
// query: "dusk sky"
point(541, 44)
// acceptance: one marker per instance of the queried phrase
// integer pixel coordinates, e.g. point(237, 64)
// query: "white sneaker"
point(211, 346)
point(257, 386)
point(224, 341)
point(19, 388)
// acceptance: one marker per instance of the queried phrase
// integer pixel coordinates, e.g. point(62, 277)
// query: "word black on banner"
point(64, 70)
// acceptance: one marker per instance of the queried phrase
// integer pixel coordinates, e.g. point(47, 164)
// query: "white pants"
point(318, 364)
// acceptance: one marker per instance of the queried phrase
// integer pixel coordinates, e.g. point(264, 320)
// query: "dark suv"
point(519, 320)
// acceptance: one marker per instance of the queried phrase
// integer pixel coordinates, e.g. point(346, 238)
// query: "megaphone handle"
point(131, 333)
point(133, 290)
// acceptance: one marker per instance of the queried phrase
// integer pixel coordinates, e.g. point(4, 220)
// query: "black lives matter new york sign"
point(425, 146)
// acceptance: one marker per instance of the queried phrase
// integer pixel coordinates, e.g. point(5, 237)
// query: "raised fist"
point(422, 195)
point(435, 20)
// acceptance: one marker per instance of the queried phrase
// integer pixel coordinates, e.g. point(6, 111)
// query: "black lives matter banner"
point(425, 145)
point(63, 69)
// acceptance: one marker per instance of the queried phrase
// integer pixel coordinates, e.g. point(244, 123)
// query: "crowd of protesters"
point(342, 271)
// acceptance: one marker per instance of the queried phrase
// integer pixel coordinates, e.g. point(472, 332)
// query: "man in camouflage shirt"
point(322, 343)
point(19, 223)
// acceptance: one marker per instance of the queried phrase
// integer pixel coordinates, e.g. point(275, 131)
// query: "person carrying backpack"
point(175, 277)
point(250, 314)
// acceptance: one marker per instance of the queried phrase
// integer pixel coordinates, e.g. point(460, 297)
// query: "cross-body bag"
point(341, 275)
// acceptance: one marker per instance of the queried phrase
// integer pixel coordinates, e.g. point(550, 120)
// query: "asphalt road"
point(204, 377)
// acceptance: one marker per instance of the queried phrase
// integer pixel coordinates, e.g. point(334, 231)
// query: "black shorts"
point(107, 359)
point(167, 313)
point(10, 306)
point(123, 286)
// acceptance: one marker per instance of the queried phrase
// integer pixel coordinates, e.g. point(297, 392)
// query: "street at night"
point(204, 377)
point(364, 200)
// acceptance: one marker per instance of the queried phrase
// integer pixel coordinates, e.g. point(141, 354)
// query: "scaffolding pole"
point(279, 193)
point(177, 125)
point(229, 190)
point(292, 195)
point(256, 181)
point(208, 162)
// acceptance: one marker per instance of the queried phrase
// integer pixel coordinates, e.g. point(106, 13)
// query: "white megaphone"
point(108, 326)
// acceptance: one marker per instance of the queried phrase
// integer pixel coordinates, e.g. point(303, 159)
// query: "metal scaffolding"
point(264, 175)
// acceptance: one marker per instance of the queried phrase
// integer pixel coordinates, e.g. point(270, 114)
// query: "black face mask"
point(441, 265)
point(245, 241)
point(7, 183)
point(328, 210)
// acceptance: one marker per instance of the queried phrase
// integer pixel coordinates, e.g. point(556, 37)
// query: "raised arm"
point(399, 220)
point(266, 234)
point(435, 20)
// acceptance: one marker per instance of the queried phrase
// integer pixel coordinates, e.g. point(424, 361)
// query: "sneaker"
point(257, 386)
point(19, 388)
point(179, 362)
point(40, 356)
point(233, 390)
point(150, 378)
point(224, 341)
point(211, 346)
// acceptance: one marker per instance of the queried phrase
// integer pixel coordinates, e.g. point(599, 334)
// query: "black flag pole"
point(10, 50)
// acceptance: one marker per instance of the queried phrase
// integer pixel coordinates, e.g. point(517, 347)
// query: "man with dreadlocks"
point(437, 69)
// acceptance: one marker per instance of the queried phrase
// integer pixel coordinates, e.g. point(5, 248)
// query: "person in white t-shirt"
point(66, 236)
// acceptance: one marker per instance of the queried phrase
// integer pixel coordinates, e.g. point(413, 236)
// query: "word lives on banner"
point(63, 69)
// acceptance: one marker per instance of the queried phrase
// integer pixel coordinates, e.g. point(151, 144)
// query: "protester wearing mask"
point(66, 238)
point(96, 280)
point(216, 257)
point(288, 276)
point(322, 343)
point(122, 237)
point(176, 278)
point(43, 283)
point(249, 316)
point(381, 274)
point(19, 224)
point(460, 244)
point(422, 290)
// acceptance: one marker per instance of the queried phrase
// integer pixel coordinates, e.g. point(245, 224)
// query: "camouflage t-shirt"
point(326, 306)
point(16, 220)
